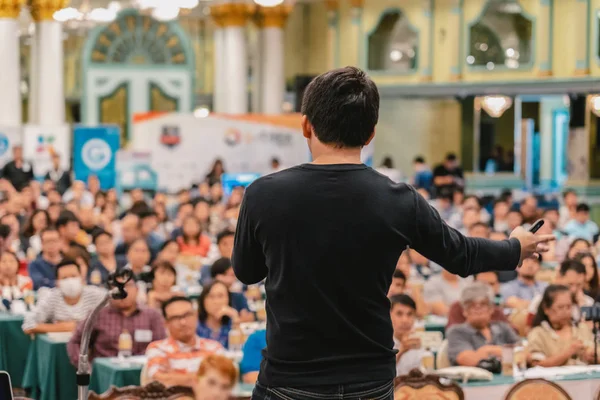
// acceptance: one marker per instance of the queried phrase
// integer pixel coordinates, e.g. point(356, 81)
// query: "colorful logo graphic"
point(44, 143)
point(170, 136)
point(96, 154)
point(233, 137)
point(3, 144)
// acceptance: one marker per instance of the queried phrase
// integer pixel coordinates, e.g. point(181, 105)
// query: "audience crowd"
point(186, 311)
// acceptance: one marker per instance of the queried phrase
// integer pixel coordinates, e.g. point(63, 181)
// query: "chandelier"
point(496, 105)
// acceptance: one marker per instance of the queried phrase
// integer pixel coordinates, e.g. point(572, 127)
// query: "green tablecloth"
point(509, 380)
point(14, 347)
point(435, 327)
point(49, 374)
point(106, 373)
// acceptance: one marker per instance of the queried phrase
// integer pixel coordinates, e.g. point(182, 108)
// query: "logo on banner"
point(3, 144)
point(96, 154)
point(44, 143)
point(170, 136)
point(233, 137)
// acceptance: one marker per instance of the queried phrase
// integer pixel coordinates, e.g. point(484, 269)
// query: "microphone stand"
point(83, 366)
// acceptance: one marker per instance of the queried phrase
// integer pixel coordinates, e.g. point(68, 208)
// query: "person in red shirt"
point(192, 241)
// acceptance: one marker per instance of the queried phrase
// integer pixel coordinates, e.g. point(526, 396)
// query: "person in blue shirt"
point(216, 315)
point(423, 176)
point(520, 292)
point(581, 227)
point(42, 270)
point(250, 364)
point(222, 271)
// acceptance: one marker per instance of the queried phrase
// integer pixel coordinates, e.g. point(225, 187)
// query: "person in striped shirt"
point(60, 308)
point(174, 361)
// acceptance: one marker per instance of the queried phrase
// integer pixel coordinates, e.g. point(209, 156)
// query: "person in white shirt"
point(387, 169)
point(60, 308)
point(403, 314)
point(441, 290)
point(568, 209)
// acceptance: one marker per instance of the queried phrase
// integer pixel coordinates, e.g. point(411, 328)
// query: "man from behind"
point(174, 361)
point(327, 236)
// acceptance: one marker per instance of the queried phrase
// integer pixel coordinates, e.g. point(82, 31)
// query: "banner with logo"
point(9, 137)
point(134, 170)
point(184, 147)
point(94, 153)
point(41, 142)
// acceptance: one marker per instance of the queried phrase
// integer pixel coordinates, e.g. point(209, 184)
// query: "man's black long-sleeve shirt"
point(327, 238)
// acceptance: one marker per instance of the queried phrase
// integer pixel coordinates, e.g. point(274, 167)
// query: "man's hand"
point(530, 243)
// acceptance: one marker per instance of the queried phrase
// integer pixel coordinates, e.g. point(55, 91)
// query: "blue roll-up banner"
point(94, 153)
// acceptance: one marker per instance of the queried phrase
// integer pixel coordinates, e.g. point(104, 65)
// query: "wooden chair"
point(537, 389)
point(441, 359)
point(519, 320)
point(152, 391)
point(417, 386)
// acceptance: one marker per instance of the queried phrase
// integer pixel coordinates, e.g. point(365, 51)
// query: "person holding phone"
point(327, 235)
point(403, 315)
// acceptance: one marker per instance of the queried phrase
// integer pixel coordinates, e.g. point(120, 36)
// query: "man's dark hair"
point(99, 233)
point(419, 160)
point(583, 207)
point(65, 263)
point(450, 157)
point(405, 300)
point(571, 265)
point(223, 234)
point(65, 217)
point(220, 266)
point(172, 300)
point(4, 231)
point(399, 275)
point(342, 105)
point(568, 192)
point(480, 224)
point(388, 162)
point(477, 199)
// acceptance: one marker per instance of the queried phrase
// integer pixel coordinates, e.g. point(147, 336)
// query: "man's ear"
point(370, 138)
point(307, 129)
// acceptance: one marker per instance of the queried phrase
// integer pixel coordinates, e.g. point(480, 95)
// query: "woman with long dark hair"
point(37, 222)
point(554, 339)
point(215, 313)
point(192, 241)
point(215, 173)
point(592, 281)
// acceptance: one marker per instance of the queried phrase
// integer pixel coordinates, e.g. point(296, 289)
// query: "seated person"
point(12, 285)
point(164, 278)
point(224, 249)
point(192, 241)
point(581, 227)
point(222, 271)
point(440, 291)
point(456, 314)
point(519, 292)
point(215, 313)
point(403, 315)
point(554, 340)
point(400, 286)
point(175, 360)
point(60, 309)
point(250, 364)
point(479, 230)
point(572, 275)
point(217, 376)
point(503, 276)
point(479, 337)
point(105, 262)
point(42, 270)
point(143, 324)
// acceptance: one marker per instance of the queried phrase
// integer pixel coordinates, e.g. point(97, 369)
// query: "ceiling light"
point(496, 105)
point(268, 3)
point(595, 104)
point(201, 112)
point(165, 12)
point(395, 55)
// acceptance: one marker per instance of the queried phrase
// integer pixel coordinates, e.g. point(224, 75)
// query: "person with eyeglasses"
point(174, 361)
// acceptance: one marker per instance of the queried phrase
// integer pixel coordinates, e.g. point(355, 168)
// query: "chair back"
point(417, 386)
point(534, 389)
point(442, 360)
point(144, 379)
point(519, 320)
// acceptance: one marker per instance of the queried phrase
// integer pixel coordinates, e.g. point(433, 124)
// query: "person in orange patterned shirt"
point(174, 361)
point(12, 285)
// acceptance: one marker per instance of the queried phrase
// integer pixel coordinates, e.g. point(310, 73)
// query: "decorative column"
point(580, 22)
point(356, 34)
point(49, 68)
point(10, 68)
point(271, 21)
point(235, 55)
point(333, 37)
point(219, 91)
point(544, 38)
point(454, 37)
point(426, 55)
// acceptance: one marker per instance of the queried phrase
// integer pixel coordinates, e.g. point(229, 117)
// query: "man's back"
point(328, 238)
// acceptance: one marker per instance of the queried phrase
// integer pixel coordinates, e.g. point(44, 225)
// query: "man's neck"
point(52, 259)
point(129, 311)
point(323, 155)
point(527, 281)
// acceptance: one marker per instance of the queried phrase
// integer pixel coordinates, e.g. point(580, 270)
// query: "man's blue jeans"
point(353, 391)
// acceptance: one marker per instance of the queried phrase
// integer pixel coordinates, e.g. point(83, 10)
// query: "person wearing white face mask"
point(60, 308)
